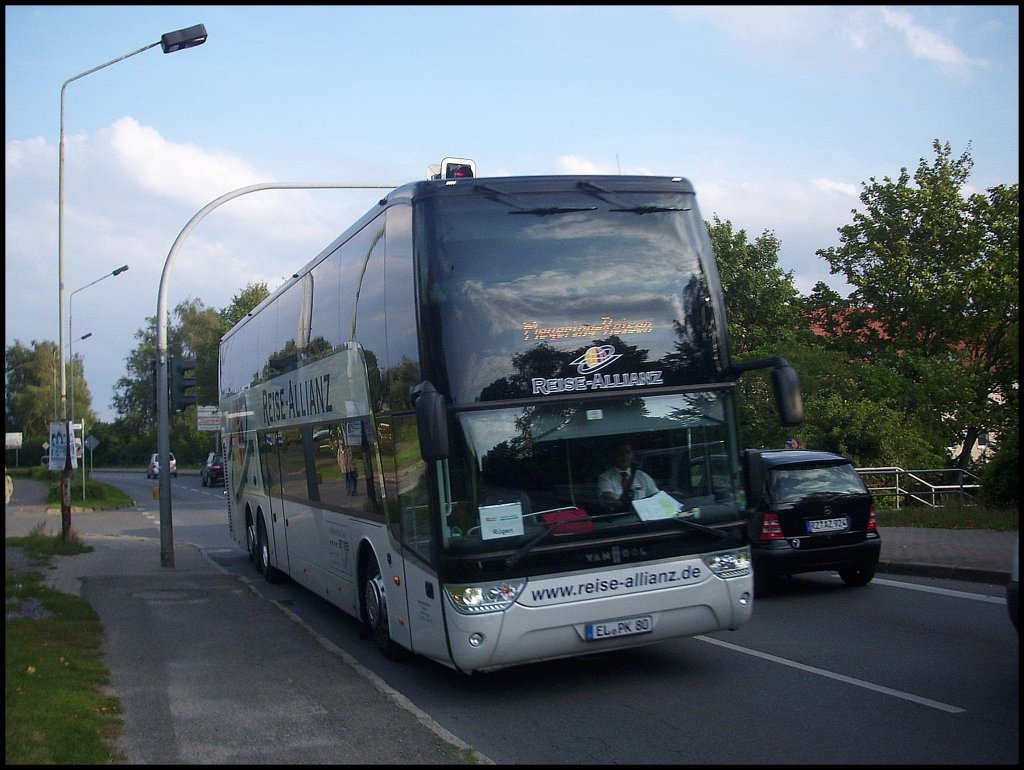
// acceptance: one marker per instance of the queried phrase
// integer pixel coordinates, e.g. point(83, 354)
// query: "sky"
point(778, 115)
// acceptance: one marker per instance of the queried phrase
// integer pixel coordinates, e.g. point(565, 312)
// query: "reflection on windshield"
point(520, 298)
point(527, 472)
point(793, 485)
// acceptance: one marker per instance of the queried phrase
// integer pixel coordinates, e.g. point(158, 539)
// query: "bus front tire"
point(375, 612)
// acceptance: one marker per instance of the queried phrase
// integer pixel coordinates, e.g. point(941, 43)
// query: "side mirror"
point(788, 399)
point(431, 421)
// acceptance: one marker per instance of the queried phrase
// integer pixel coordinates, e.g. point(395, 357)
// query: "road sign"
point(91, 443)
point(58, 447)
point(207, 418)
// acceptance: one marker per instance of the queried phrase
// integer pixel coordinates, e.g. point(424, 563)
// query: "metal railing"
point(931, 487)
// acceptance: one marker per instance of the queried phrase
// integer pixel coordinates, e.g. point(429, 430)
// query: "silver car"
point(153, 469)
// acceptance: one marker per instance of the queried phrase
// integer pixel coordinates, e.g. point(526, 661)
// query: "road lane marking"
point(839, 677)
point(943, 591)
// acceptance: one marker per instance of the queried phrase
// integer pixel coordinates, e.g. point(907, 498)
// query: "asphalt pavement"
point(208, 672)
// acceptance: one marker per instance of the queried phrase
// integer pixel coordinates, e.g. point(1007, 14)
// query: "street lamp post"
point(71, 359)
point(170, 42)
point(71, 328)
point(53, 370)
point(163, 429)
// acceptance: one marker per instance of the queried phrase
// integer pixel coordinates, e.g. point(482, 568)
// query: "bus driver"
point(623, 483)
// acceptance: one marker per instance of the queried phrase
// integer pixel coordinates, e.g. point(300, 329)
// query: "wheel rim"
point(376, 604)
point(264, 549)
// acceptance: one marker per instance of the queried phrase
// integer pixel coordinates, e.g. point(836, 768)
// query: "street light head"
point(183, 38)
point(85, 336)
point(120, 270)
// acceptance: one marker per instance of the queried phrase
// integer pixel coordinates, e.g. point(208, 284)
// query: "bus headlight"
point(729, 564)
point(476, 598)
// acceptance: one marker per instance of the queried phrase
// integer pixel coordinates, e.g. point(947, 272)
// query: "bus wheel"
point(270, 572)
point(375, 611)
point(250, 541)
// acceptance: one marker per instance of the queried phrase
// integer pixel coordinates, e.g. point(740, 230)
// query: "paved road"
point(208, 672)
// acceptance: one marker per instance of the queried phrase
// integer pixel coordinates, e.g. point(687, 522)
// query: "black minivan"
point(809, 511)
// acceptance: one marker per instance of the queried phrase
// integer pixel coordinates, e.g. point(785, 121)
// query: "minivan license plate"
point(642, 624)
point(828, 525)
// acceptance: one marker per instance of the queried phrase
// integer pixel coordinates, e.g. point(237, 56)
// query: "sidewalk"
point(210, 673)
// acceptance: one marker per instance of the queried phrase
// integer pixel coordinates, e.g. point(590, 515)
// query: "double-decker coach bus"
point(415, 423)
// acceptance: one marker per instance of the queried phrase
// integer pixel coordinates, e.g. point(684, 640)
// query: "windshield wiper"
point(512, 203)
point(683, 522)
point(543, 212)
point(544, 534)
point(540, 537)
point(828, 497)
point(498, 195)
point(609, 197)
point(651, 209)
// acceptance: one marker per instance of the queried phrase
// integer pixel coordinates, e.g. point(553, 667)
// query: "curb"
point(967, 574)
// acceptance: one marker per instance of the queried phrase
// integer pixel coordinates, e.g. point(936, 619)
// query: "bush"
point(1000, 482)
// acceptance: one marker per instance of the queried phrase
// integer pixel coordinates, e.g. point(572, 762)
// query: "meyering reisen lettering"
point(305, 398)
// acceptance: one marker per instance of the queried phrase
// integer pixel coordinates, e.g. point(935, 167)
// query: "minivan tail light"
point(771, 527)
point(873, 519)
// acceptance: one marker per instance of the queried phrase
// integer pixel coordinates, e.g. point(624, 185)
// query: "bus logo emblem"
point(597, 357)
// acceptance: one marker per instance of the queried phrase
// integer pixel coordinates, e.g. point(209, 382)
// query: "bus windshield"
point(520, 288)
point(520, 475)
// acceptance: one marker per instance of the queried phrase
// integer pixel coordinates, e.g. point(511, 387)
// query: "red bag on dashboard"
point(580, 522)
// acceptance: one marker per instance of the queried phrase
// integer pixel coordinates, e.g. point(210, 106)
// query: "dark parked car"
point(809, 512)
point(212, 470)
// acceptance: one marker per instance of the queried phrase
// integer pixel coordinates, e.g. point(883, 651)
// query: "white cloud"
point(574, 164)
point(129, 192)
point(838, 188)
point(841, 35)
point(926, 44)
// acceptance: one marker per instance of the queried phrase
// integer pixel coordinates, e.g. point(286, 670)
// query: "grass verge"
point(97, 495)
point(951, 517)
point(55, 711)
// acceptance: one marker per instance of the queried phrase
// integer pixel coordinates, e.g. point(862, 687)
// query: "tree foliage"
point(32, 397)
point(937, 293)
point(922, 355)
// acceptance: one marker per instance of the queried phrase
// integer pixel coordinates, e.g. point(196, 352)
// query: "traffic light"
point(181, 381)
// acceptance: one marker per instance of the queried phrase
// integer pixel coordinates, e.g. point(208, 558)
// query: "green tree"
point(32, 392)
point(193, 331)
point(243, 302)
point(936, 293)
point(200, 330)
point(761, 302)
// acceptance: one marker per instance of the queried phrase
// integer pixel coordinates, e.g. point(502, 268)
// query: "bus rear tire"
point(270, 572)
point(375, 611)
point(251, 542)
